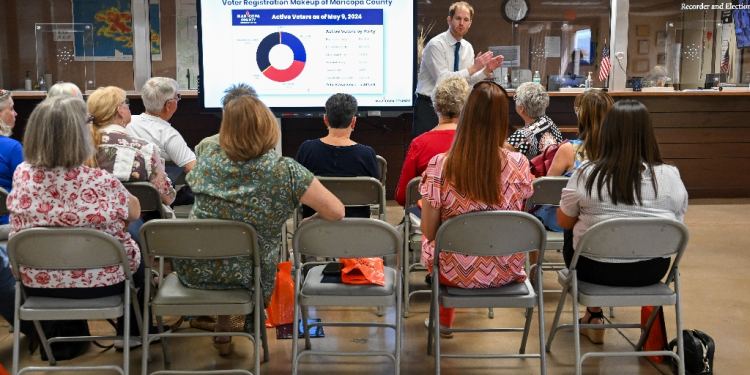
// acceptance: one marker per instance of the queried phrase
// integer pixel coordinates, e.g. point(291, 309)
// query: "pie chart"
point(264, 51)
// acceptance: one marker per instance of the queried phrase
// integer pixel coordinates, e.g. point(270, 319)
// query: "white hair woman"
point(64, 89)
point(11, 152)
point(539, 131)
point(160, 97)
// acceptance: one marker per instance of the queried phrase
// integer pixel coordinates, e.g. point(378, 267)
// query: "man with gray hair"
point(160, 98)
point(232, 92)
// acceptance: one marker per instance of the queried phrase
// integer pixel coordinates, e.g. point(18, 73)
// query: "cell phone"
point(333, 268)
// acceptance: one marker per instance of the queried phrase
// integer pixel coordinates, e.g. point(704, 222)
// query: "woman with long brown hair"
point(628, 178)
point(476, 174)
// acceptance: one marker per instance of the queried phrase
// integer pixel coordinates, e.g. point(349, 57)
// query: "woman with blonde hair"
point(476, 174)
point(242, 178)
point(127, 157)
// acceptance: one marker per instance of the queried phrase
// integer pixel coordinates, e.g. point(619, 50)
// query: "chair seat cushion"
point(514, 289)
point(174, 292)
point(658, 289)
point(314, 286)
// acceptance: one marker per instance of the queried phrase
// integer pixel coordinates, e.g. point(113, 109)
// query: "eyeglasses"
point(126, 102)
point(177, 99)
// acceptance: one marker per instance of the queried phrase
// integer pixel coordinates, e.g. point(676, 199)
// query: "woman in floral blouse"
point(52, 187)
point(242, 178)
point(128, 158)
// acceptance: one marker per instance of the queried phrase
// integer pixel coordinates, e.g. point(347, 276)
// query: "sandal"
point(223, 343)
point(596, 335)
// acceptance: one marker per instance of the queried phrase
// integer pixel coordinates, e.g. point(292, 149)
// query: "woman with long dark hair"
point(628, 178)
point(476, 174)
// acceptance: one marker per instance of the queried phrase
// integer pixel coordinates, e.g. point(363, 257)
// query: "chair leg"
point(491, 313)
point(611, 312)
point(399, 330)
point(429, 331)
point(556, 320)
point(305, 315)
point(540, 310)
point(295, 330)
point(405, 256)
point(647, 328)
point(436, 330)
point(45, 344)
point(526, 328)
point(576, 329)
point(264, 339)
point(381, 310)
point(164, 341)
point(678, 319)
point(17, 331)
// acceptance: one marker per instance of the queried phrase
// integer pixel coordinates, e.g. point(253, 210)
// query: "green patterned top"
point(262, 192)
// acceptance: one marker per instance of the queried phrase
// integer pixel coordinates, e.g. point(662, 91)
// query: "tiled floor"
point(713, 275)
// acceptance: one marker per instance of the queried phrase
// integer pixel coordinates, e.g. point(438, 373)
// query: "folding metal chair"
point(148, 196)
point(489, 233)
point(547, 191)
point(65, 248)
point(412, 244)
point(347, 238)
point(383, 166)
point(631, 238)
point(202, 239)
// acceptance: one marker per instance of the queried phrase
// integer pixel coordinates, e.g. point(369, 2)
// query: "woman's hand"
point(134, 208)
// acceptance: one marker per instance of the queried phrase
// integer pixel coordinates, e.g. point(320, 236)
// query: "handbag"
point(539, 165)
point(363, 271)
point(657, 336)
point(699, 352)
point(63, 328)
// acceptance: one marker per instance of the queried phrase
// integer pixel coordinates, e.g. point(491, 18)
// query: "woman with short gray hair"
point(160, 97)
point(539, 132)
point(64, 89)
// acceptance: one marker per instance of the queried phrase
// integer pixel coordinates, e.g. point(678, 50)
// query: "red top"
point(421, 150)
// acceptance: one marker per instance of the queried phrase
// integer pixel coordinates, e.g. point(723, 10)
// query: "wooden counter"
point(706, 134)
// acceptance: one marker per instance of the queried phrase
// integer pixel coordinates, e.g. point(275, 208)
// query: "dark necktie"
point(455, 57)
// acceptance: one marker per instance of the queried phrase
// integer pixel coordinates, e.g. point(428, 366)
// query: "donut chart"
point(264, 50)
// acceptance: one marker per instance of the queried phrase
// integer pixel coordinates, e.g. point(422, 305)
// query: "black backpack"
point(699, 352)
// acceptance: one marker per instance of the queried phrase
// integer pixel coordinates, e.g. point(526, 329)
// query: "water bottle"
point(42, 84)
point(589, 82)
point(27, 82)
point(537, 78)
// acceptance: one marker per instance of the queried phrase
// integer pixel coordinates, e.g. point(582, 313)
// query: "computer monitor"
point(713, 79)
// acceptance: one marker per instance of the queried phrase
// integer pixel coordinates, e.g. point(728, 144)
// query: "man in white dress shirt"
point(160, 98)
point(445, 55)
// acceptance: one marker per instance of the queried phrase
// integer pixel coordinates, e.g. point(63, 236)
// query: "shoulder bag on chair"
point(539, 165)
point(699, 352)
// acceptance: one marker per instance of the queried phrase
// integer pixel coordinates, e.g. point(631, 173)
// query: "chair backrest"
point(383, 165)
point(346, 238)
point(491, 233)
point(356, 191)
point(65, 248)
point(199, 239)
point(412, 193)
point(547, 191)
point(147, 195)
point(639, 238)
point(3, 204)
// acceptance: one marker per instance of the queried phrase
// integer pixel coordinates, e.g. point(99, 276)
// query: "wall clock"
point(515, 10)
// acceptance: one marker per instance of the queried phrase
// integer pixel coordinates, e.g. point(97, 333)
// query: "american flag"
point(604, 68)
point(725, 62)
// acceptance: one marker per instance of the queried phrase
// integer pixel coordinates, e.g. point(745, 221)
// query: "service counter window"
point(688, 44)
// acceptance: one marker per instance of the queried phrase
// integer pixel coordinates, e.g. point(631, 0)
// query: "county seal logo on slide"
point(264, 50)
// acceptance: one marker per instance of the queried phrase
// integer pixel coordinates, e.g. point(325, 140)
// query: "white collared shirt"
point(437, 63)
point(161, 133)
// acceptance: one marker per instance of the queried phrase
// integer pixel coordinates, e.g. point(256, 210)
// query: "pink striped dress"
point(473, 272)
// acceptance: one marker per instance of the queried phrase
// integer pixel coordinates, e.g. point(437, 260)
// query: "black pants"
point(425, 118)
point(99, 292)
point(642, 273)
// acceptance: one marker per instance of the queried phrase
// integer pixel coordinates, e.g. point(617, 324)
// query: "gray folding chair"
point(547, 191)
point(489, 233)
point(65, 248)
point(148, 196)
point(383, 166)
point(357, 191)
point(347, 238)
point(412, 244)
point(4, 211)
point(628, 238)
point(202, 239)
